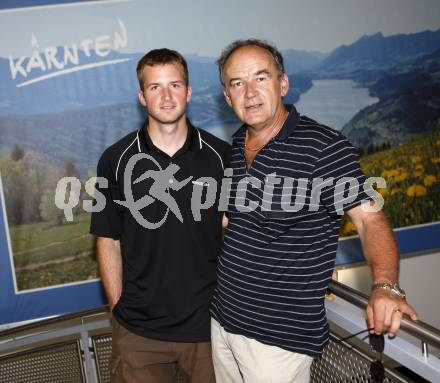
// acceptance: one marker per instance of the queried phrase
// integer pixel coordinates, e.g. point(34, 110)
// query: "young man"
point(277, 259)
point(156, 258)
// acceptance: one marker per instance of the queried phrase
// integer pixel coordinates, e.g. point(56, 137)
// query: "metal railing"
point(408, 350)
point(47, 351)
point(421, 330)
point(76, 348)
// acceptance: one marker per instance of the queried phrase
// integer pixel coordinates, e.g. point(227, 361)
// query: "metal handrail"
point(56, 319)
point(419, 329)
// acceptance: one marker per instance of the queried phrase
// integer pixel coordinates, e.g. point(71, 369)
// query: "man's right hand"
point(108, 252)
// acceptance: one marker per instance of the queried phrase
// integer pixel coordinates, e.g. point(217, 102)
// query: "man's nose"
point(250, 89)
point(166, 93)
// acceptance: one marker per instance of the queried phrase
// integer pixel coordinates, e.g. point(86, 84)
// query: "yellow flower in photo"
point(435, 160)
point(385, 174)
point(396, 191)
point(390, 174)
point(429, 180)
point(349, 228)
point(419, 170)
point(401, 177)
point(388, 162)
point(416, 159)
point(383, 192)
point(416, 191)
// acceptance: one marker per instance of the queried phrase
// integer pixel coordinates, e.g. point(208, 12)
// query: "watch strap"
point(391, 287)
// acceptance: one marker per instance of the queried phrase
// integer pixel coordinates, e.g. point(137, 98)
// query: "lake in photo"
point(334, 102)
point(330, 102)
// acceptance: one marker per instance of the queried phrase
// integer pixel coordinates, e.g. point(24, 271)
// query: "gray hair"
point(237, 44)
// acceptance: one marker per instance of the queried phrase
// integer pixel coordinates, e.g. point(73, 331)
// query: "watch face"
point(399, 290)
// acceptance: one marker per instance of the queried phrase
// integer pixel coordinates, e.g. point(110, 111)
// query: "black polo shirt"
point(169, 271)
point(276, 262)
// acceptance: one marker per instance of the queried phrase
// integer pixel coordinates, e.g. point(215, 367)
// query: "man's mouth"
point(167, 106)
point(252, 107)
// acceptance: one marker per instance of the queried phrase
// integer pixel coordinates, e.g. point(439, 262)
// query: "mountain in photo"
point(409, 105)
point(300, 61)
point(377, 53)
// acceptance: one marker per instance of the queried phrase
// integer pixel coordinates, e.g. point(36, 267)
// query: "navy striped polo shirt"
point(280, 245)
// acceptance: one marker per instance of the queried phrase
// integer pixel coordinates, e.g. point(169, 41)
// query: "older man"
point(277, 259)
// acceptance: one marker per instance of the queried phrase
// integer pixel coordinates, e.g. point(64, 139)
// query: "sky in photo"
point(205, 27)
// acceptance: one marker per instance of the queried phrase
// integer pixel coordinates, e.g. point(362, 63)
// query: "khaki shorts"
point(137, 359)
point(239, 359)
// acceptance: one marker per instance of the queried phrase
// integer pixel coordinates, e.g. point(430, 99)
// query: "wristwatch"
point(391, 287)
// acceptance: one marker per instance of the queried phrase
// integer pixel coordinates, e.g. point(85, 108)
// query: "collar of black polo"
point(193, 140)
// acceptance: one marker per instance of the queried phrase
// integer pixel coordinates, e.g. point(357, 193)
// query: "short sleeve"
point(227, 156)
point(107, 222)
point(344, 185)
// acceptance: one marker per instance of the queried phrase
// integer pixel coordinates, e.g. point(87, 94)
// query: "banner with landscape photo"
point(66, 96)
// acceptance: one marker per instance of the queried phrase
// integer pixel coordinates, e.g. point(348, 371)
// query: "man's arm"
point(110, 267)
point(225, 221)
point(385, 309)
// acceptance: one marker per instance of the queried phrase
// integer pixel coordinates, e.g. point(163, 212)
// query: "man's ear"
point(142, 98)
point(227, 97)
point(188, 93)
point(284, 84)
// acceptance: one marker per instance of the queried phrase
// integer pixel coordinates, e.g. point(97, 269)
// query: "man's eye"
point(261, 78)
point(175, 85)
point(154, 87)
point(236, 84)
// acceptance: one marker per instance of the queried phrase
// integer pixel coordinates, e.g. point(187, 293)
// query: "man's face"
point(165, 93)
point(253, 87)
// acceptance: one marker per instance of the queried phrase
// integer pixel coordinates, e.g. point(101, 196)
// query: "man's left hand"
point(385, 311)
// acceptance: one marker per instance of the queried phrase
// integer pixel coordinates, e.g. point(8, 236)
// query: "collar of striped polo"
point(286, 131)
